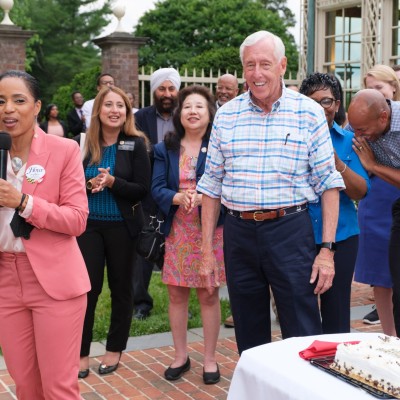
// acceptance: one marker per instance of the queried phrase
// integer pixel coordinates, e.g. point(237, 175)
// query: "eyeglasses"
point(107, 83)
point(326, 102)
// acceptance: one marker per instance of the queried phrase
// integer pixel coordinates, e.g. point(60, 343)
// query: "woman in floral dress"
point(179, 164)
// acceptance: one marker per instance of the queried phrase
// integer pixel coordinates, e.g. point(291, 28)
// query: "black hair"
point(340, 115)
point(31, 82)
point(74, 93)
point(173, 139)
point(318, 81)
point(47, 111)
point(101, 76)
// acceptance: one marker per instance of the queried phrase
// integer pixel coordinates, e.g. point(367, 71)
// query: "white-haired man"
point(270, 153)
point(155, 121)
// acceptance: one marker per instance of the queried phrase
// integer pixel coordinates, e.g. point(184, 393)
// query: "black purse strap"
point(155, 211)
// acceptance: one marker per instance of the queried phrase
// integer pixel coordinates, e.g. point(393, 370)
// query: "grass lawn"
point(158, 321)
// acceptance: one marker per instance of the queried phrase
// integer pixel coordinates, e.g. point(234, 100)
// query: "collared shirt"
point(80, 113)
point(348, 222)
point(387, 148)
point(8, 242)
point(164, 125)
point(258, 160)
point(87, 109)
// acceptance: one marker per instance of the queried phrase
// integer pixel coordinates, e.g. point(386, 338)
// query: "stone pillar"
point(120, 58)
point(13, 47)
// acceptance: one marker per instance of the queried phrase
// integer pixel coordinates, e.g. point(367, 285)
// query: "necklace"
point(192, 170)
point(16, 164)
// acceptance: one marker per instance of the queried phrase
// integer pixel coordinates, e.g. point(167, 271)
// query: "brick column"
point(120, 58)
point(13, 47)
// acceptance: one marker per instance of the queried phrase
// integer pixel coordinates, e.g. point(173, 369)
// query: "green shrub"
point(84, 82)
point(158, 321)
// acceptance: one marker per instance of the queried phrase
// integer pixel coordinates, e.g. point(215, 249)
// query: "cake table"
point(275, 371)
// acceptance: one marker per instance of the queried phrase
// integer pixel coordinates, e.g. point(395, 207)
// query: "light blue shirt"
point(347, 223)
point(258, 160)
point(164, 125)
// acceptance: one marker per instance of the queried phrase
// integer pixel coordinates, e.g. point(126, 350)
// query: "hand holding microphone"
point(5, 146)
point(9, 196)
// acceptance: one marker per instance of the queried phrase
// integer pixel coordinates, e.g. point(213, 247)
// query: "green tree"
point(280, 8)
point(62, 45)
point(199, 33)
point(84, 82)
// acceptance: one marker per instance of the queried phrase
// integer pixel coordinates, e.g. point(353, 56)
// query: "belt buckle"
point(255, 216)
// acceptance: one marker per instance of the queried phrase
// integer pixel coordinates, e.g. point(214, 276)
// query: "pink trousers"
point(40, 337)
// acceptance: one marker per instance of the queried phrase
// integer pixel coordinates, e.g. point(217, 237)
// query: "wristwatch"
point(89, 185)
point(328, 245)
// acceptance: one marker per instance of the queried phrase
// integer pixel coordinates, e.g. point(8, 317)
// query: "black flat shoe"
point(107, 369)
point(83, 373)
point(141, 315)
point(210, 378)
point(172, 374)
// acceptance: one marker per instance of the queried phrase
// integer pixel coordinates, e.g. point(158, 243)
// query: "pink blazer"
point(60, 211)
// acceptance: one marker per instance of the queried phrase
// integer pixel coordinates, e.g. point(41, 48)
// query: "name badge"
point(127, 146)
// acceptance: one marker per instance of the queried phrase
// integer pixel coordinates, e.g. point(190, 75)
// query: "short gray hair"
point(279, 47)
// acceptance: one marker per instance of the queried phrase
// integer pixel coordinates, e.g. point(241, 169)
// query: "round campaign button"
point(35, 173)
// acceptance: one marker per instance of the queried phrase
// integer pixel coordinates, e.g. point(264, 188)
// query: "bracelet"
point(22, 209)
point(344, 169)
point(89, 184)
point(22, 202)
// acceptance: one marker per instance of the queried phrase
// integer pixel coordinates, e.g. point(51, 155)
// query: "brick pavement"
point(140, 371)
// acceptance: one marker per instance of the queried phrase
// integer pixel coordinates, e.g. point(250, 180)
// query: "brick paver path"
point(139, 376)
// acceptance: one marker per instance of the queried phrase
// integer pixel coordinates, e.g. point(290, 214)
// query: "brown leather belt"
point(262, 215)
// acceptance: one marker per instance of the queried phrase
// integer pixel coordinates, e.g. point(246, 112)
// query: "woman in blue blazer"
point(179, 164)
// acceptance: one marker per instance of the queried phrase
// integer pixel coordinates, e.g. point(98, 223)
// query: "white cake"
point(375, 362)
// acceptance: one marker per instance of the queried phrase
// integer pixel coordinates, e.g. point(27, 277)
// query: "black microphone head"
point(5, 140)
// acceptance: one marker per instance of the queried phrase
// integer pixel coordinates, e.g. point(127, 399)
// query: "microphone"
point(5, 146)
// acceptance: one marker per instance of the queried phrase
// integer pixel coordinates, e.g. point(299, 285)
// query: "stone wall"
point(120, 58)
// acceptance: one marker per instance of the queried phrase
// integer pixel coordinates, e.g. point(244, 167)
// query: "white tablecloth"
point(275, 371)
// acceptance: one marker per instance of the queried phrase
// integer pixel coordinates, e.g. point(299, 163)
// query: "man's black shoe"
point(141, 314)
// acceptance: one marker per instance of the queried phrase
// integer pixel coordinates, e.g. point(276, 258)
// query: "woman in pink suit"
point(43, 278)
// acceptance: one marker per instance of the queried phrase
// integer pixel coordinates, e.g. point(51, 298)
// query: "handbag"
point(151, 242)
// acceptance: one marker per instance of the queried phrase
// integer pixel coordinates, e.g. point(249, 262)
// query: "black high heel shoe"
point(172, 374)
point(83, 373)
point(107, 369)
point(210, 378)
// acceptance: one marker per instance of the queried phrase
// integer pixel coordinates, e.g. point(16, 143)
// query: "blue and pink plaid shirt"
point(259, 160)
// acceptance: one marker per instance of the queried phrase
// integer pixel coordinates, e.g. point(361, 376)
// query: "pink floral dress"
point(182, 259)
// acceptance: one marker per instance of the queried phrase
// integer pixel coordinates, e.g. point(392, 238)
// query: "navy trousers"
point(277, 253)
point(394, 263)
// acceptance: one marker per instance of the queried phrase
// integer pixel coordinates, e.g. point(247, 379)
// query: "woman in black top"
point(117, 172)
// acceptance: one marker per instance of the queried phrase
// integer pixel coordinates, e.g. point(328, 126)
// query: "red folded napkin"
point(321, 349)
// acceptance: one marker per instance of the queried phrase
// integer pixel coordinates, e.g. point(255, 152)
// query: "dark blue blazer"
point(165, 183)
point(146, 121)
